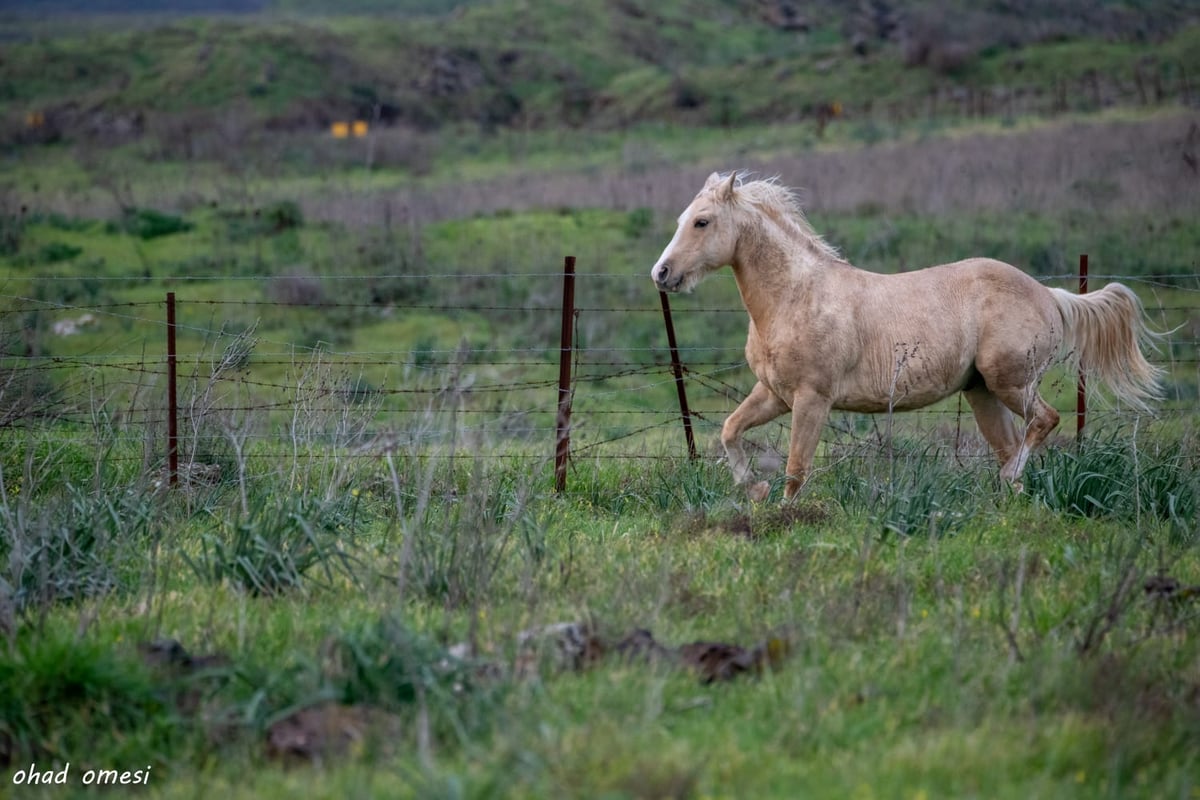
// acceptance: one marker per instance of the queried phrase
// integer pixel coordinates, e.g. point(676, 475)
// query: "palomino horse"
point(826, 335)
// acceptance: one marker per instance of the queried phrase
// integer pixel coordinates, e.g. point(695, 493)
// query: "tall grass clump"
point(77, 546)
point(1116, 477)
point(71, 531)
point(276, 544)
point(388, 665)
point(65, 698)
point(668, 484)
point(912, 490)
point(456, 547)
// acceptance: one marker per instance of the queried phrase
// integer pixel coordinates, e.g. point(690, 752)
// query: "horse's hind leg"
point(760, 407)
point(995, 422)
point(1040, 420)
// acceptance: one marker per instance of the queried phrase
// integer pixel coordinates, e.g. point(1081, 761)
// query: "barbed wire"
point(607, 380)
point(641, 276)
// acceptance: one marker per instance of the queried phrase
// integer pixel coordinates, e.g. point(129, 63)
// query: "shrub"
point(282, 216)
point(54, 252)
point(146, 223)
point(638, 222)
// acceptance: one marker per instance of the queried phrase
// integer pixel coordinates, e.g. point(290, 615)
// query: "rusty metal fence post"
point(562, 449)
point(677, 369)
point(172, 397)
point(1081, 389)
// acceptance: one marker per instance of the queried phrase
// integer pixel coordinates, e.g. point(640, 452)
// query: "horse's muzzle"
point(662, 278)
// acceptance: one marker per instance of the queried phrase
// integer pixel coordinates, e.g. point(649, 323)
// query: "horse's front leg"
point(809, 412)
point(760, 407)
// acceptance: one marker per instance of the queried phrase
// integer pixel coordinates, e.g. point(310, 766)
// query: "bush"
point(146, 223)
point(282, 216)
point(638, 222)
point(54, 252)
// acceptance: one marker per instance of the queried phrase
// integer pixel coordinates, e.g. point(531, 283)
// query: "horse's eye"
point(700, 223)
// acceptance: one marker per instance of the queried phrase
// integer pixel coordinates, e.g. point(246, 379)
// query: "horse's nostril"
point(660, 273)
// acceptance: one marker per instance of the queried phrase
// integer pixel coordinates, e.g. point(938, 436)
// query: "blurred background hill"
point(116, 71)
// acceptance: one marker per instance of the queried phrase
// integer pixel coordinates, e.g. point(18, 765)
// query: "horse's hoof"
point(759, 491)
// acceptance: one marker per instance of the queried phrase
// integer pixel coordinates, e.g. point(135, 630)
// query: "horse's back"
point(976, 291)
point(928, 332)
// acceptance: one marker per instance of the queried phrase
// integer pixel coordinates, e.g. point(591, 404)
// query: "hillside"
point(593, 65)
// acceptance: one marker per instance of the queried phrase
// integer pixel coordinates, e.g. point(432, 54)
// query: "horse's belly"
point(865, 385)
point(880, 405)
point(905, 396)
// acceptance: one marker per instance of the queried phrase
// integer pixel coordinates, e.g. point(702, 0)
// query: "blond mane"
point(782, 203)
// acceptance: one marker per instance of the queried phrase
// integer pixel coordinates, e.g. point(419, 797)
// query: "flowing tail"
point(1104, 333)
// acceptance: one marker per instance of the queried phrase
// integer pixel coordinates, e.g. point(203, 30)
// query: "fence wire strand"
point(485, 390)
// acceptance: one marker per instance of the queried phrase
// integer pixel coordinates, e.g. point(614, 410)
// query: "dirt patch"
point(866, 607)
point(1121, 690)
point(761, 522)
point(329, 730)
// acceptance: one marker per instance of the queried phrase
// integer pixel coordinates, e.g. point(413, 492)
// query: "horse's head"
point(704, 240)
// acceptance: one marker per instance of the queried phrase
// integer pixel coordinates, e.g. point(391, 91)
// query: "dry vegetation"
point(1136, 167)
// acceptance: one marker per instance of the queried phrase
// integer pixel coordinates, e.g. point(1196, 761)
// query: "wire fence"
point(69, 366)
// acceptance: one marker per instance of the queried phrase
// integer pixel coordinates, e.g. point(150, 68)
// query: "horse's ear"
point(727, 192)
point(712, 181)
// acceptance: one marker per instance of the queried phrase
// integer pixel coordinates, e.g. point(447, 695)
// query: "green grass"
point(1016, 654)
point(946, 637)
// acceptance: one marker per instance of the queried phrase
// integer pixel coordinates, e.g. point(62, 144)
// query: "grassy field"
point(365, 584)
point(930, 638)
point(933, 635)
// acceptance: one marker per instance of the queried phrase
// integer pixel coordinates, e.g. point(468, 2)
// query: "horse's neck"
point(773, 263)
